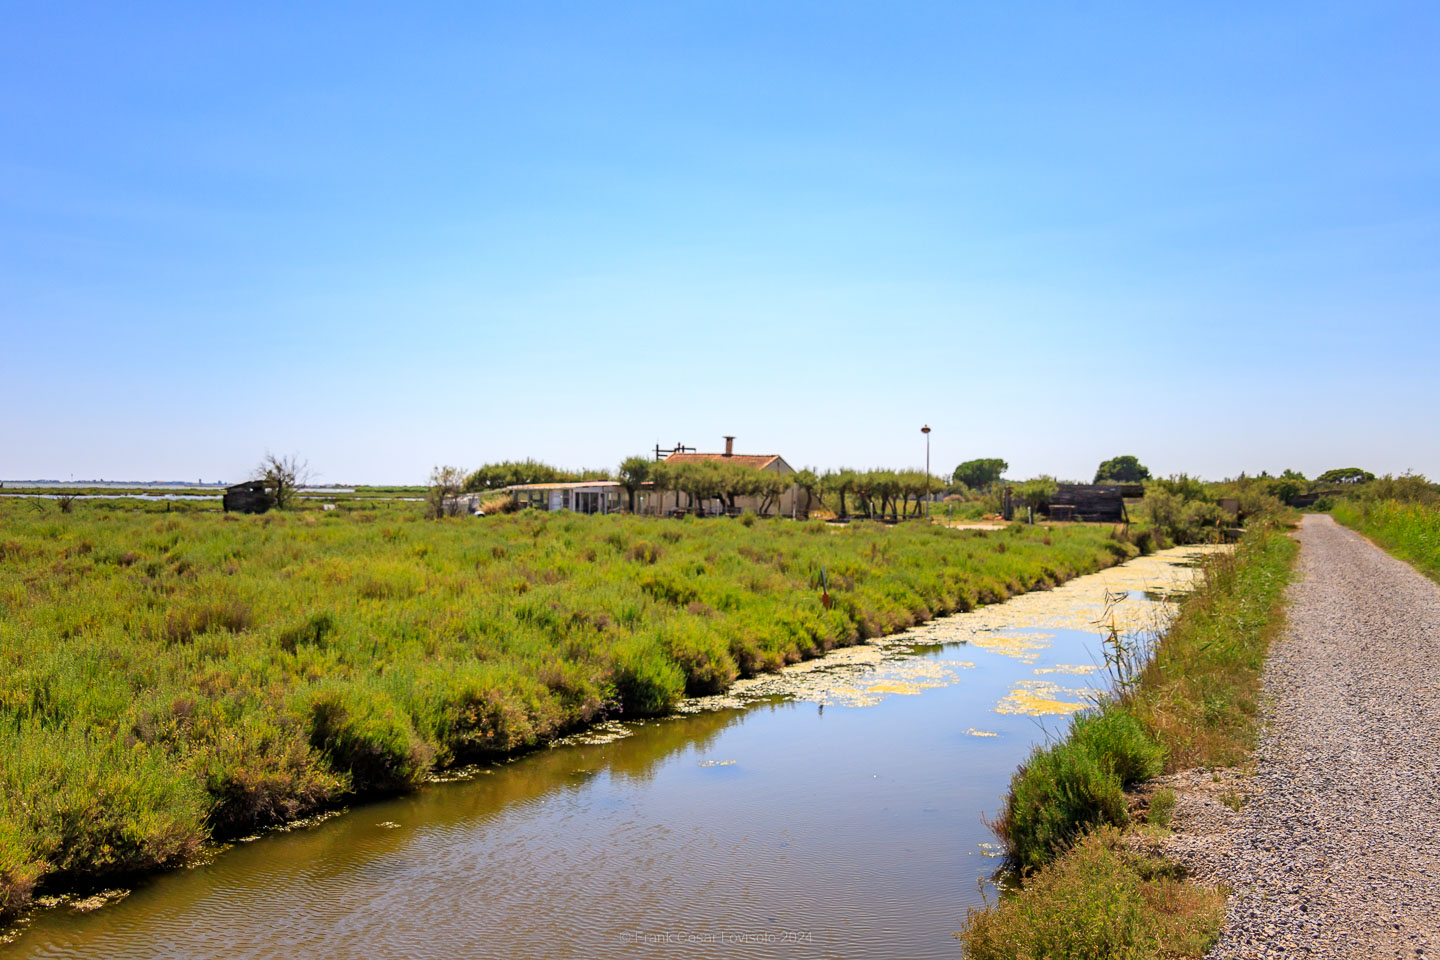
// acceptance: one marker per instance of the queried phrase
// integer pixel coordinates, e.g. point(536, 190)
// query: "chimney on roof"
point(729, 446)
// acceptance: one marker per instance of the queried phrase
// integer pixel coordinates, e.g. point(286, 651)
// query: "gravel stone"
point(1335, 851)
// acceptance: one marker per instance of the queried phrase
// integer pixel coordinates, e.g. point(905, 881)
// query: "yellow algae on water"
point(1039, 698)
point(1025, 647)
point(1072, 669)
point(980, 733)
point(1021, 628)
point(903, 689)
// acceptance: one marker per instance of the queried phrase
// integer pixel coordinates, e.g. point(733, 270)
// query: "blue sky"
point(385, 238)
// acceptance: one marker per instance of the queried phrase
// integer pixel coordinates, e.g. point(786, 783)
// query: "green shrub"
point(1098, 901)
point(258, 774)
point(1068, 787)
point(643, 551)
point(19, 869)
point(477, 711)
point(1117, 738)
point(702, 657)
point(312, 630)
point(646, 682)
point(183, 624)
point(367, 739)
point(119, 811)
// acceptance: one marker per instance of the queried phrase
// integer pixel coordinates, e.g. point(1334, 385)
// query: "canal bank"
point(832, 810)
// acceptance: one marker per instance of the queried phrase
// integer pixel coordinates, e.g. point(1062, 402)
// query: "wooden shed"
point(252, 496)
point(1093, 502)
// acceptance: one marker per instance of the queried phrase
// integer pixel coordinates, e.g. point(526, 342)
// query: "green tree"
point(1124, 469)
point(772, 487)
point(633, 472)
point(841, 483)
point(1289, 484)
point(509, 473)
point(445, 483)
point(979, 474)
point(1037, 493)
point(663, 480)
point(813, 487)
point(1345, 475)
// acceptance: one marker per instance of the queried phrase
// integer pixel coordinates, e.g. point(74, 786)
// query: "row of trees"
point(869, 493)
point(509, 473)
point(704, 480)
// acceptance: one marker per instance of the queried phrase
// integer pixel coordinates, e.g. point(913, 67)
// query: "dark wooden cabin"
point(252, 496)
point(1093, 502)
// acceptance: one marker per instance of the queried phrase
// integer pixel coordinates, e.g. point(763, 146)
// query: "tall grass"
point(1411, 531)
point(1101, 901)
point(169, 673)
point(1199, 697)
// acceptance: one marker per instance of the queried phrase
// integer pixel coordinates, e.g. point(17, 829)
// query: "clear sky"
point(389, 236)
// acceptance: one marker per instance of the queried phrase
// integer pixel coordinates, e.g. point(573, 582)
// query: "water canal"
point(832, 811)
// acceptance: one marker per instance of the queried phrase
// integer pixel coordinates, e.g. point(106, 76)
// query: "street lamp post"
point(926, 430)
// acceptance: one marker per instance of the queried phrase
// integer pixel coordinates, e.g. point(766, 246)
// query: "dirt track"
point(1337, 851)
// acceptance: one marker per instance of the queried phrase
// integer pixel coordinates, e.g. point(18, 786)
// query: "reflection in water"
point(755, 826)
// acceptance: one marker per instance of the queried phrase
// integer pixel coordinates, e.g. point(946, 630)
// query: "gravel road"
point(1336, 851)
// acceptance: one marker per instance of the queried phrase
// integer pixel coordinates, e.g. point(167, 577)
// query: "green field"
point(172, 673)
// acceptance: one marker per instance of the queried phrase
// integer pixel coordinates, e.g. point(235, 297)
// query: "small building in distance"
point(252, 496)
point(674, 500)
point(1093, 502)
point(583, 496)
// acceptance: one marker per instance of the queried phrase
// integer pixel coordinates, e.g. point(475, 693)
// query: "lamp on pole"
point(926, 430)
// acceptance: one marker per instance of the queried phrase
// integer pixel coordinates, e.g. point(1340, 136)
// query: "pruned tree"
point(811, 484)
point(914, 485)
point(633, 472)
point(842, 484)
point(284, 475)
point(771, 487)
point(662, 480)
point(446, 483)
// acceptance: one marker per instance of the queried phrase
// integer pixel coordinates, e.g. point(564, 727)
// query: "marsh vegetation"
point(174, 676)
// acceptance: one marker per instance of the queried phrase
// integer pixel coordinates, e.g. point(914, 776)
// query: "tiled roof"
point(756, 461)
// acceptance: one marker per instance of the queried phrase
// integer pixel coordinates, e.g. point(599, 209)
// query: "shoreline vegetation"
point(1076, 838)
point(174, 675)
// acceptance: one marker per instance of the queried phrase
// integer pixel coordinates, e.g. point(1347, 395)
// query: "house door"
point(587, 502)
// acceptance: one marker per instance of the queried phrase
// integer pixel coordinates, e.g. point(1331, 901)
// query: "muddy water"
point(834, 811)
